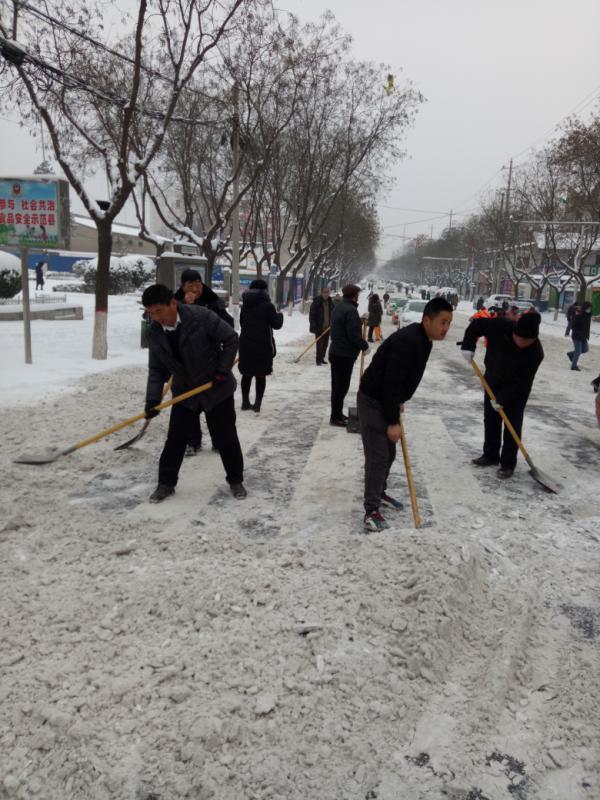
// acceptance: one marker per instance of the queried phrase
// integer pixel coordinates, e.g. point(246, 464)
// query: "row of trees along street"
point(539, 230)
point(161, 107)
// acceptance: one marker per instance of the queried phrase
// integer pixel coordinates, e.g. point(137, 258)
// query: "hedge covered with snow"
point(127, 273)
point(10, 282)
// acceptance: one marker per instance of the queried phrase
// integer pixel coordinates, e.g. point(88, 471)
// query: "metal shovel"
point(144, 427)
point(50, 456)
point(537, 474)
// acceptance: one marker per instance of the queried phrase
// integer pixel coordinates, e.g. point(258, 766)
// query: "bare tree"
point(106, 111)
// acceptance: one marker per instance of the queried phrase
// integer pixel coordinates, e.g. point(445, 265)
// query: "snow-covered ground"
point(208, 648)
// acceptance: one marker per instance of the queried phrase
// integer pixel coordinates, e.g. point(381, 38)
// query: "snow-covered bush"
point(127, 273)
point(10, 282)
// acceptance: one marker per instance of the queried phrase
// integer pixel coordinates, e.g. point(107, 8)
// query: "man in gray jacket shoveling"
point(195, 346)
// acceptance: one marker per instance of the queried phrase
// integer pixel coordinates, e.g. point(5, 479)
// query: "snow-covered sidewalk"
point(208, 648)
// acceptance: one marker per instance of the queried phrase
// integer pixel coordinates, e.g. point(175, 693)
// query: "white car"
point(498, 299)
point(412, 312)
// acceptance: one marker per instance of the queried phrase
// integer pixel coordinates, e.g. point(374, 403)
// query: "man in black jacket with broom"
point(512, 358)
point(390, 381)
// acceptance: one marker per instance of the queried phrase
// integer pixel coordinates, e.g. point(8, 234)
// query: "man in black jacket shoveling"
point(390, 381)
point(346, 343)
point(196, 347)
point(512, 358)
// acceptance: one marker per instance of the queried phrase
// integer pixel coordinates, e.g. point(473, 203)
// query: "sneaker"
point(192, 449)
point(374, 522)
point(246, 405)
point(576, 368)
point(161, 493)
point(485, 461)
point(340, 423)
point(238, 490)
point(391, 502)
point(256, 408)
point(505, 472)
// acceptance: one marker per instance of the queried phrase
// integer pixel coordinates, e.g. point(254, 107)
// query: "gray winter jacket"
point(346, 331)
point(207, 346)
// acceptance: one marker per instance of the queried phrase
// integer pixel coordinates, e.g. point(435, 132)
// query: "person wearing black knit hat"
point(513, 356)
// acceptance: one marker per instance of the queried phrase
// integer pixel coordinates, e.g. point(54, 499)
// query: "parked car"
point(498, 299)
point(412, 312)
point(523, 305)
point(395, 303)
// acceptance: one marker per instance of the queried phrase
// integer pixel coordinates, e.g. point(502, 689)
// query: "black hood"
point(255, 297)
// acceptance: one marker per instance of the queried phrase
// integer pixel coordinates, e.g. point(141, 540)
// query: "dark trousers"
point(321, 347)
point(341, 375)
point(493, 432)
point(379, 451)
point(221, 424)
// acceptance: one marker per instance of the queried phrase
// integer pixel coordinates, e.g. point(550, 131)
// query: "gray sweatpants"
point(379, 451)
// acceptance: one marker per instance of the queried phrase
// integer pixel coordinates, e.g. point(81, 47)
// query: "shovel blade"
point(544, 480)
point(38, 458)
point(135, 438)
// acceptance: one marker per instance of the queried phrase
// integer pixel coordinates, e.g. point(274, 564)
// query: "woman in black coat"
point(375, 315)
point(258, 319)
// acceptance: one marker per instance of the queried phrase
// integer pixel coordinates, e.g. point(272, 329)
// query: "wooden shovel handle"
point(409, 475)
point(312, 344)
point(131, 420)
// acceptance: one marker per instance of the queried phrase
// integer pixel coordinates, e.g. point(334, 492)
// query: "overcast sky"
point(498, 76)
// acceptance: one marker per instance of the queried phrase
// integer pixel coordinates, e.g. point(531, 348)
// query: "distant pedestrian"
point(479, 304)
point(319, 319)
point(571, 311)
point(386, 299)
point(346, 343)
point(580, 333)
point(375, 316)
point(258, 319)
point(194, 292)
point(39, 276)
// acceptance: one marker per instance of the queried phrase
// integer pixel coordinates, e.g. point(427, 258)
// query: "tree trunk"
point(99, 341)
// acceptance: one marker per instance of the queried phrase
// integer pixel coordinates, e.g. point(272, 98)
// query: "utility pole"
point(507, 218)
point(26, 308)
point(235, 217)
point(450, 223)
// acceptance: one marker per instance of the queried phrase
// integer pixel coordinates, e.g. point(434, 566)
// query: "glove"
point(495, 405)
point(150, 413)
point(468, 355)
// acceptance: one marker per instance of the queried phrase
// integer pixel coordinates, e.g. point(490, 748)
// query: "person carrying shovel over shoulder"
point(195, 346)
point(389, 381)
point(512, 358)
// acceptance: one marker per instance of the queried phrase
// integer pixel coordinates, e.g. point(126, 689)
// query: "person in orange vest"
point(482, 312)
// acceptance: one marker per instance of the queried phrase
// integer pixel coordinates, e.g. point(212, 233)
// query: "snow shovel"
point(312, 344)
point(409, 475)
point(535, 473)
point(144, 428)
point(49, 457)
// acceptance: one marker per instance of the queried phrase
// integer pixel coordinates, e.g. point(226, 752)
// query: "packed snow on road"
point(268, 648)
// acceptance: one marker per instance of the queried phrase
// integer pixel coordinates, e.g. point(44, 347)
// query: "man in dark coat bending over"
point(512, 358)
point(195, 346)
point(389, 381)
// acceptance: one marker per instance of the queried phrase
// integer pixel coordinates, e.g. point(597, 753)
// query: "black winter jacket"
point(346, 331)
point(396, 370)
point(258, 318)
point(316, 314)
point(207, 347)
point(208, 299)
point(581, 325)
point(509, 369)
point(375, 314)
